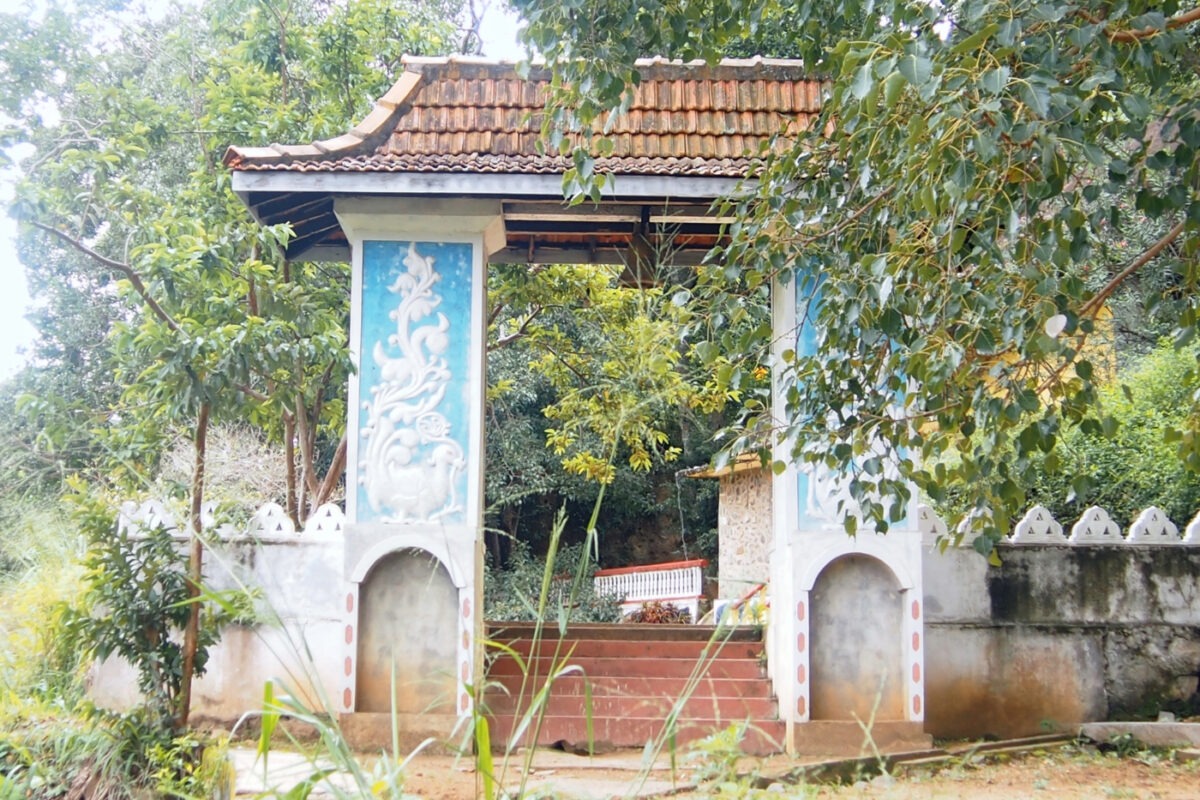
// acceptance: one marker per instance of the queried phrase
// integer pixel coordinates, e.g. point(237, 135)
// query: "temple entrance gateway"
point(445, 176)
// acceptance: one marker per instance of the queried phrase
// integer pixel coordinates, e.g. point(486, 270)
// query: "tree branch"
point(305, 436)
point(191, 633)
point(504, 341)
point(841, 226)
point(1130, 36)
point(333, 474)
point(1097, 300)
point(289, 454)
point(129, 272)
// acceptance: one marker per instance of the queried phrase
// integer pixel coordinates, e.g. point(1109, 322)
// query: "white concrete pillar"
point(415, 417)
point(809, 535)
point(787, 661)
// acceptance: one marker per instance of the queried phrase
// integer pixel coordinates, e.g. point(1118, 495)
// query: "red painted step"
point(644, 667)
point(694, 707)
point(637, 686)
point(635, 674)
point(616, 648)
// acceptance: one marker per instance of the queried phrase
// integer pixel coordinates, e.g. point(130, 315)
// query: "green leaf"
point(484, 764)
point(893, 86)
point(916, 69)
point(863, 81)
point(1036, 97)
point(976, 39)
point(994, 80)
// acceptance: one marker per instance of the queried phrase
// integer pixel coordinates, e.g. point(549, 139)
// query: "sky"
point(499, 31)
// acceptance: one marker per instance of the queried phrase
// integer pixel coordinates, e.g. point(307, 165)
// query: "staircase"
point(636, 675)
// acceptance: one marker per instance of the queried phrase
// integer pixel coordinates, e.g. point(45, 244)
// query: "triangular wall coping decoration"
point(269, 523)
point(1095, 527)
point(1038, 527)
point(1154, 527)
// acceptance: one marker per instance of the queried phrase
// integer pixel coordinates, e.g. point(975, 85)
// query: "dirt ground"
point(1070, 773)
point(1064, 775)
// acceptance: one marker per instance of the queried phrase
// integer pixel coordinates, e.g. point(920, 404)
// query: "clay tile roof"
point(461, 114)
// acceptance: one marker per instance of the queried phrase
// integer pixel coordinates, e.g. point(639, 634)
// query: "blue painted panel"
point(415, 381)
point(817, 495)
point(807, 303)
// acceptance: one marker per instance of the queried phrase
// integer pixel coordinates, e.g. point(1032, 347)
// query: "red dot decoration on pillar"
point(916, 704)
point(350, 603)
point(800, 642)
point(464, 702)
point(467, 608)
point(800, 611)
point(348, 666)
point(466, 673)
point(916, 673)
point(916, 642)
point(346, 698)
point(349, 634)
point(801, 706)
point(466, 641)
point(801, 674)
point(916, 609)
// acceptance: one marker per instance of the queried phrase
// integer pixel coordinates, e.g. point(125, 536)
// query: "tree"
point(1134, 468)
point(592, 389)
point(125, 200)
point(946, 216)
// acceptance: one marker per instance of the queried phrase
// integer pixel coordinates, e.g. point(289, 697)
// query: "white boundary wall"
point(299, 576)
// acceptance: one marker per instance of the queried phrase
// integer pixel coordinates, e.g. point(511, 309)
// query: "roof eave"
point(492, 184)
point(362, 139)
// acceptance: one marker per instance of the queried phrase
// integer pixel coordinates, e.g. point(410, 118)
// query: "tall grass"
point(40, 574)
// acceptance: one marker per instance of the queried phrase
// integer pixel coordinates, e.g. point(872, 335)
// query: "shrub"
point(658, 613)
point(510, 594)
point(1137, 465)
point(53, 741)
point(39, 582)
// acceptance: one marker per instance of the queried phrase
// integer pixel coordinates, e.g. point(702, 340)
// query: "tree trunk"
point(191, 634)
point(289, 444)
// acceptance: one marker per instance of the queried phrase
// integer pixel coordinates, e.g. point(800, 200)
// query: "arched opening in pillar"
point(408, 627)
point(856, 631)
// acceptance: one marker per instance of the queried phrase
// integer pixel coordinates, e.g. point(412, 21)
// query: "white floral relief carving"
point(411, 465)
point(828, 497)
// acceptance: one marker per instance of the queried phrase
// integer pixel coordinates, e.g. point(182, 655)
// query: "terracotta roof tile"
point(462, 115)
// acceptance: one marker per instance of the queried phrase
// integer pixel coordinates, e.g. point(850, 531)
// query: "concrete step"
point(761, 738)
point(695, 707)
point(833, 737)
point(618, 648)
point(653, 666)
point(638, 686)
point(623, 631)
point(634, 673)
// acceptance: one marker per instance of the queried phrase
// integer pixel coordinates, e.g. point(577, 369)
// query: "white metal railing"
point(680, 583)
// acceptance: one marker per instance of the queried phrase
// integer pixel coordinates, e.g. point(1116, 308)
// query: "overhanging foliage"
point(956, 209)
